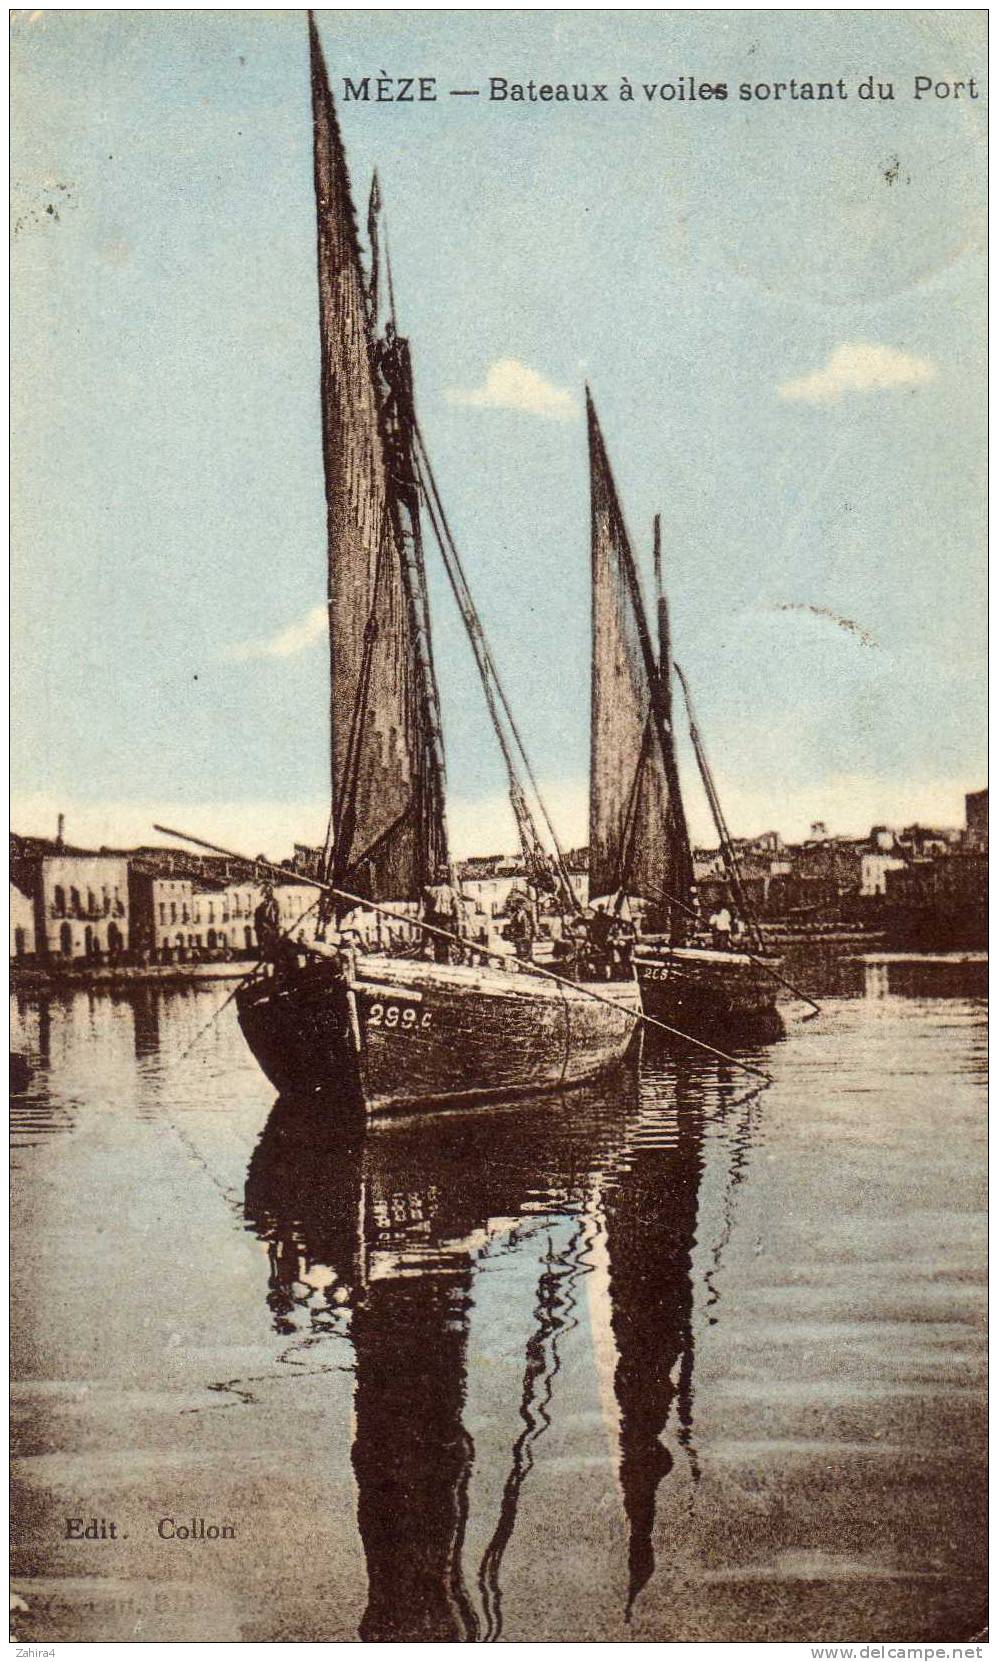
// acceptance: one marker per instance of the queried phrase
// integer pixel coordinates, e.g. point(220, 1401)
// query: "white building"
point(873, 873)
point(81, 904)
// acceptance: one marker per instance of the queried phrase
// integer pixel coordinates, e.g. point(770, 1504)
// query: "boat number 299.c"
point(405, 1016)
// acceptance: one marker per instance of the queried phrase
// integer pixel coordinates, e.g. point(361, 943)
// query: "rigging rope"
point(727, 848)
point(486, 662)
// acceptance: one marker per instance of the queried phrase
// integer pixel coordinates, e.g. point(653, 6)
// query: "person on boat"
point(267, 923)
point(599, 925)
point(522, 927)
point(620, 944)
point(569, 951)
point(273, 945)
point(440, 908)
point(720, 929)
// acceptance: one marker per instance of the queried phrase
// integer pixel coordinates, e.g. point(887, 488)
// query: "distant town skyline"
point(479, 827)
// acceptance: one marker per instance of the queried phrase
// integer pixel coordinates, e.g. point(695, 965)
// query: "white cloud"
point(859, 366)
point(510, 385)
point(287, 643)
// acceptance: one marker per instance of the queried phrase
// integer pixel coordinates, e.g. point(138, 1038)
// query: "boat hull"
point(704, 992)
point(403, 1035)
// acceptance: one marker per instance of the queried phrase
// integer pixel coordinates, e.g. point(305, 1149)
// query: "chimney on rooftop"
point(60, 831)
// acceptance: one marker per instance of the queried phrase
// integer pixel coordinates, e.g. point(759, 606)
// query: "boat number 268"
point(405, 1016)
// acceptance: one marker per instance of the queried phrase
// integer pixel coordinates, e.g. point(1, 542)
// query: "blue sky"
point(779, 306)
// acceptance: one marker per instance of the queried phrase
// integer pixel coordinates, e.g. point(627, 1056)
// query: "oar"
point(756, 960)
point(448, 935)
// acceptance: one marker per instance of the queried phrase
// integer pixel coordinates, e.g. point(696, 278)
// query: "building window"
point(173, 917)
point(74, 902)
point(60, 901)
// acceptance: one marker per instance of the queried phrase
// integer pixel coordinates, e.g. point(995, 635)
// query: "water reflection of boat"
point(20, 1072)
point(383, 1236)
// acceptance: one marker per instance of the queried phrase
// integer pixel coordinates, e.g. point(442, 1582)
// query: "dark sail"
point(387, 799)
point(637, 831)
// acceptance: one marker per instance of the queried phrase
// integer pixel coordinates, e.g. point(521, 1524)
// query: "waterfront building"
point(22, 921)
point(161, 911)
point(179, 914)
point(214, 927)
point(81, 903)
point(487, 880)
point(873, 872)
point(225, 916)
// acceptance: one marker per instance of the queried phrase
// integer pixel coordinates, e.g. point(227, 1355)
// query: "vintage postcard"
point(499, 828)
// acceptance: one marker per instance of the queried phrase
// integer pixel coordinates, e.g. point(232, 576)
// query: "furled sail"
point(387, 824)
point(638, 843)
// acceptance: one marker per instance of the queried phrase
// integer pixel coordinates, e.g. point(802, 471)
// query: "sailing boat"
point(393, 1032)
point(639, 846)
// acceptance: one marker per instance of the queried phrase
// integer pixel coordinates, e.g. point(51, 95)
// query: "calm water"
point(657, 1360)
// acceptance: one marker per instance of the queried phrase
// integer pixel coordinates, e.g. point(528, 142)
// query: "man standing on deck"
point(522, 927)
point(720, 929)
point(441, 909)
point(266, 922)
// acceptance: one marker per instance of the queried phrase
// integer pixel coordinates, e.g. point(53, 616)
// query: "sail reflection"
point(380, 1234)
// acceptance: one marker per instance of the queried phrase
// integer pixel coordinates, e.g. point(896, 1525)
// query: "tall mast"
point(662, 607)
point(398, 411)
point(678, 830)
